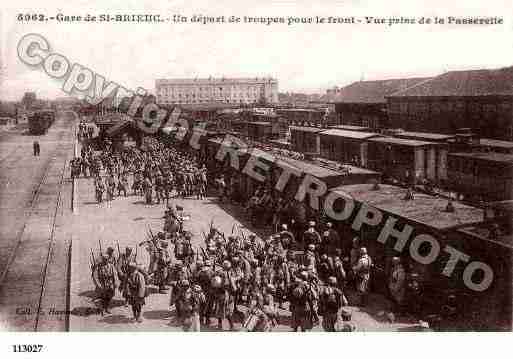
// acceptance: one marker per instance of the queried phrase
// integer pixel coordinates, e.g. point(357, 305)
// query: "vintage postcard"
point(266, 166)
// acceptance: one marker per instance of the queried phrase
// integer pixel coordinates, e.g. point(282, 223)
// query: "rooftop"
point(497, 82)
point(306, 129)
point(374, 91)
point(213, 80)
point(495, 143)
point(486, 156)
point(505, 240)
point(424, 209)
point(351, 127)
point(425, 135)
point(259, 123)
point(401, 141)
point(312, 169)
point(349, 134)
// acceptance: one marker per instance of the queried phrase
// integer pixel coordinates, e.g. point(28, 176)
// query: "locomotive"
point(40, 121)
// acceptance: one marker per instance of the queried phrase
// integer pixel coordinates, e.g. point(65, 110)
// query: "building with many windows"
point(217, 90)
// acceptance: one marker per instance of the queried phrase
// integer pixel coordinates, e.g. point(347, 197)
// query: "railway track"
point(28, 264)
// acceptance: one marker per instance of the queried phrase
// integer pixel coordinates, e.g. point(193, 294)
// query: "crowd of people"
point(227, 273)
point(236, 277)
point(156, 173)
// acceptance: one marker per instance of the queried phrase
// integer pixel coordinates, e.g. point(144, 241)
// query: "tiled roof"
point(464, 83)
point(374, 91)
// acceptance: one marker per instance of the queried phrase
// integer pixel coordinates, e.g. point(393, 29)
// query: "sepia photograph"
point(269, 166)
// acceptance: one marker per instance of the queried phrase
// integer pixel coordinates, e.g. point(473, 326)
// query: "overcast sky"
point(308, 58)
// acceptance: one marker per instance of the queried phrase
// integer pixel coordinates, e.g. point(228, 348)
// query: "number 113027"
point(27, 348)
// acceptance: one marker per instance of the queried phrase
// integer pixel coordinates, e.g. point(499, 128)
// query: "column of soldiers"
point(302, 271)
point(156, 173)
point(231, 272)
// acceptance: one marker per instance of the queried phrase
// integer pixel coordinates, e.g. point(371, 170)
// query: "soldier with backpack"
point(331, 301)
point(136, 290)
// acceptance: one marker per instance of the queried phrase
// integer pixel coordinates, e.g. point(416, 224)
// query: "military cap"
point(227, 265)
point(284, 227)
point(311, 247)
point(132, 265)
point(346, 314)
point(184, 283)
point(363, 250)
point(196, 288)
point(110, 250)
point(332, 280)
point(303, 275)
point(311, 224)
point(396, 260)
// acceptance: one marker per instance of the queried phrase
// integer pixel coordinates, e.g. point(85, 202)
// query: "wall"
point(491, 116)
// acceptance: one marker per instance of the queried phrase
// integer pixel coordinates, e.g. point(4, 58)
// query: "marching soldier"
point(110, 256)
point(163, 262)
point(362, 275)
point(347, 324)
point(311, 236)
point(397, 283)
point(136, 290)
point(193, 303)
point(330, 240)
point(147, 189)
point(106, 282)
point(122, 268)
point(310, 258)
point(159, 188)
point(123, 184)
point(330, 302)
point(301, 304)
point(287, 238)
point(99, 188)
point(338, 269)
point(224, 288)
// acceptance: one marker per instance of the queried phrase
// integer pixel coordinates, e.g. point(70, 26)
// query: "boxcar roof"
point(401, 141)
point(306, 129)
point(424, 209)
point(349, 134)
point(486, 156)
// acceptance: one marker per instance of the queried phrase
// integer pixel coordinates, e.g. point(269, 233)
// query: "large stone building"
point(479, 99)
point(217, 90)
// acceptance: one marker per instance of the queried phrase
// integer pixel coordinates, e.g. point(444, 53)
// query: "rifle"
point(151, 233)
point(233, 227)
point(242, 233)
point(100, 243)
point(92, 260)
point(135, 258)
point(119, 252)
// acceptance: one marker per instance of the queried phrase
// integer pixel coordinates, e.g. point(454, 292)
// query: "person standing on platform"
point(136, 290)
point(37, 148)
